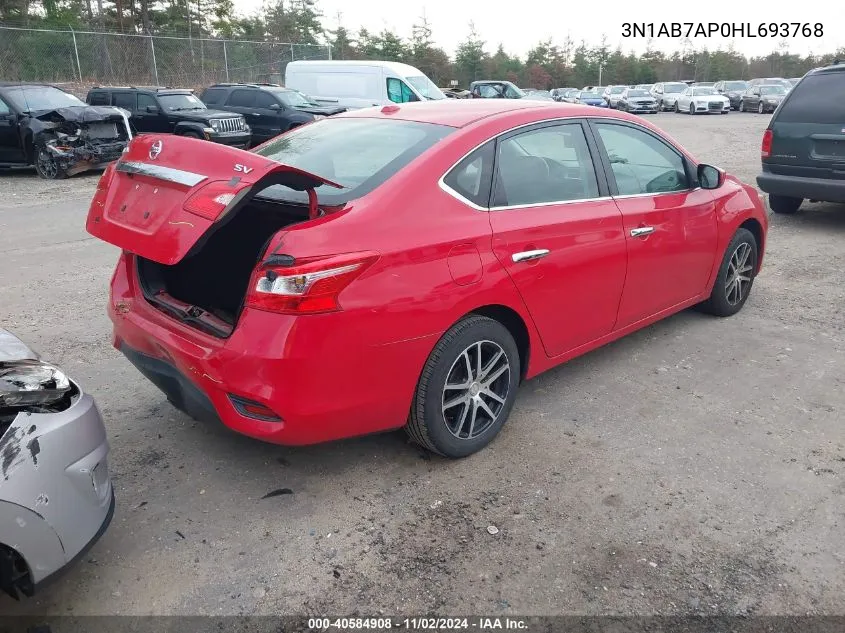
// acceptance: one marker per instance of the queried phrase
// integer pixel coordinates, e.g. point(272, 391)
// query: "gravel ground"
point(693, 467)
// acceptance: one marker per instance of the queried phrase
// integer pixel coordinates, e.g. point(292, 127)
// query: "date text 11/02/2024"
point(418, 624)
point(722, 29)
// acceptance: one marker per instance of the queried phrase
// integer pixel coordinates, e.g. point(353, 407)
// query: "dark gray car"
point(56, 496)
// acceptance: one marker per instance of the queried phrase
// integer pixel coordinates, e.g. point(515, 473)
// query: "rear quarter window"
point(817, 99)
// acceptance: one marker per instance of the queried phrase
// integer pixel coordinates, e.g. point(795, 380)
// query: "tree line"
point(547, 65)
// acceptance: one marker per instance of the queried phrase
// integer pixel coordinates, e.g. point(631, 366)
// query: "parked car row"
point(694, 97)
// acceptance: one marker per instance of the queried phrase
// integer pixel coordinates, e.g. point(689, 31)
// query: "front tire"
point(760, 108)
point(784, 204)
point(741, 107)
point(735, 277)
point(46, 166)
point(191, 134)
point(692, 109)
point(467, 388)
point(677, 109)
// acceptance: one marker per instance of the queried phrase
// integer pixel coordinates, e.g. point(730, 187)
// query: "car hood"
point(79, 114)
point(204, 115)
point(318, 109)
point(12, 348)
point(591, 98)
point(640, 99)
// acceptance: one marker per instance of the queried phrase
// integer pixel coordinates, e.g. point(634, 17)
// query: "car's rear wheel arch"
point(515, 325)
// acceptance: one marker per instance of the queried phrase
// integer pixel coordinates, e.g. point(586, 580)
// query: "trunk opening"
point(207, 288)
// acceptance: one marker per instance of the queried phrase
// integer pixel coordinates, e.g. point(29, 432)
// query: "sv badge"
point(243, 168)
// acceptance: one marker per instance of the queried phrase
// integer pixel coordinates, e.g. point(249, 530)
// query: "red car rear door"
point(557, 233)
point(669, 222)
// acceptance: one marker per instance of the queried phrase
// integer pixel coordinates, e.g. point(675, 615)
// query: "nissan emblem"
point(155, 149)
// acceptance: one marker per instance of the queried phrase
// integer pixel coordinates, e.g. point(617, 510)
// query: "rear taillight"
point(105, 180)
point(766, 147)
point(308, 287)
point(210, 201)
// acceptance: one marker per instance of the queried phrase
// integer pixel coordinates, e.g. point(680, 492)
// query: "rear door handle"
point(642, 230)
point(525, 256)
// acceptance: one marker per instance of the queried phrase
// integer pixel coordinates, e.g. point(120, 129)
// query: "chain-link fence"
point(122, 59)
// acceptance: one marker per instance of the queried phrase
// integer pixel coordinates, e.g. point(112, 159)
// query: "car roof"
point(397, 67)
point(27, 84)
point(463, 113)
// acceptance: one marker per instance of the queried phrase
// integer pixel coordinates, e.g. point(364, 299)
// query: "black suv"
point(174, 111)
point(59, 134)
point(803, 150)
point(270, 109)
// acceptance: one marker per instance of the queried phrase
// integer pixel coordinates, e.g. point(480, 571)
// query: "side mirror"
point(275, 106)
point(152, 109)
point(710, 177)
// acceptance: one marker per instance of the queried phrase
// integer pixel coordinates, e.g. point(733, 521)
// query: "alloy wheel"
point(738, 277)
point(46, 166)
point(476, 389)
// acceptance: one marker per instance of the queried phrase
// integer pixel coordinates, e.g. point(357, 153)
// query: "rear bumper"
point(823, 189)
point(321, 383)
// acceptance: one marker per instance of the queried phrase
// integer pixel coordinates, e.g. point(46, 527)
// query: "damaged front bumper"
point(56, 496)
point(68, 141)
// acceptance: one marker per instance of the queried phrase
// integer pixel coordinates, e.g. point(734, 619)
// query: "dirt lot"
point(694, 467)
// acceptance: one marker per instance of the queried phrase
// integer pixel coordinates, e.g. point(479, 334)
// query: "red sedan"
point(410, 265)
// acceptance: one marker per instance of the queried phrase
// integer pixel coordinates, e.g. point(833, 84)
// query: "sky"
point(520, 25)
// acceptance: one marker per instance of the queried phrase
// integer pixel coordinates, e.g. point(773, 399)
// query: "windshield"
point(175, 103)
point(29, 99)
point(425, 87)
point(672, 88)
point(701, 92)
point(293, 98)
point(645, 86)
point(637, 93)
point(592, 92)
point(736, 85)
point(359, 154)
point(617, 90)
point(772, 90)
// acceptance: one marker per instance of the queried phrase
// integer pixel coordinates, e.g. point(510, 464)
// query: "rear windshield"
point(817, 99)
point(359, 154)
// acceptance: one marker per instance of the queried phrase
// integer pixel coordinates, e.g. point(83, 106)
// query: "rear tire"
point(453, 398)
point(784, 204)
point(735, 277)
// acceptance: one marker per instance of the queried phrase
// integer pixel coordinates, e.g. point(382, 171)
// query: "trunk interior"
point(215, 274)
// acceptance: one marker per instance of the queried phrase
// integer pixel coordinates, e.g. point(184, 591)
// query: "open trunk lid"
point(167, 191)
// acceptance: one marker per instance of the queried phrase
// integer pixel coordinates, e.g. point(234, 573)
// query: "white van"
point(360, 84)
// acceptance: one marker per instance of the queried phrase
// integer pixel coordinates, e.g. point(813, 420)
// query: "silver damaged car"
point(56, 496)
